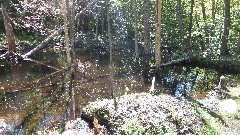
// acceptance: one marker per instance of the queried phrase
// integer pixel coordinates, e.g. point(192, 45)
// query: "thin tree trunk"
point(110, 51)
point(65, 13)
point(158, 39)
point(238, 44)
point(135, 28)
point(205, 23)
point(9, 31)
point(72, 30)
point(180, 23)
point(190, 26)
point(213, 20)
point(69, 20)
point(224, 47)
point(213, 11)
point(73, 57)
point(146, 57)
point(97, 20)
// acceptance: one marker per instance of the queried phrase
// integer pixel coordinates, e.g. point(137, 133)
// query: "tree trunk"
point(135, 28)
point(180, 23)
point(190, 26)
point(213, 11)
point(72, 31)
point(224, 47)
point(69, 30)
point(110, 51)
point(146, 57)
point(73, 56)
point(97, 21)
point(65, 13)
point(238, 44)
point(205, 23)
point(9, 31)
point(213, 20)
point(158, 39)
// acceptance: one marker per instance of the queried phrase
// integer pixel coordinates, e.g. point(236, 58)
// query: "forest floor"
point(143, 113)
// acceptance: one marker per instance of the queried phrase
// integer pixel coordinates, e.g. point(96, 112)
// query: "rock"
point(4, 127)
point(77, 127)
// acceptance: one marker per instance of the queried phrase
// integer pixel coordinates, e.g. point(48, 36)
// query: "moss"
point(210, 127)
point(134, 128)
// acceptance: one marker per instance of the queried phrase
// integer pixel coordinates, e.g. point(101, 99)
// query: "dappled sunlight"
point(119, 67)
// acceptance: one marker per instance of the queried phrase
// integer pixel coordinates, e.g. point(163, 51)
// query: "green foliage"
point(49, 132)
point(3, 39)
point(29, 39)
point(134, 128)
point(206, 130)
point(210, 127)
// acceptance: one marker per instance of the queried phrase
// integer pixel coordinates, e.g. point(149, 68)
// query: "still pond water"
point(31, 101)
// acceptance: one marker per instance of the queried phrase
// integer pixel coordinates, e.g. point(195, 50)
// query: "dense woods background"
point(135, 38)
point(204, 28)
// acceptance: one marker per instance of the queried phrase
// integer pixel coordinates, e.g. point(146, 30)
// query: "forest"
point(125, 67)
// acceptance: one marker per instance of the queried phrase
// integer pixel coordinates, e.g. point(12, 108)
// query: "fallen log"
point(222, 65)
point(174, 62)
point(44, 44)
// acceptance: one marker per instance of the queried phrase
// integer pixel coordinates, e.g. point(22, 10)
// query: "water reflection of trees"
point(182, 80)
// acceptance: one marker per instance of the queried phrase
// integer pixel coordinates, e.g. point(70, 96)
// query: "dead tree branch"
point(44, 44)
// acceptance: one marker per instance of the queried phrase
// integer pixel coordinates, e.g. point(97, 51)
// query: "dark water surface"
point(30, 105)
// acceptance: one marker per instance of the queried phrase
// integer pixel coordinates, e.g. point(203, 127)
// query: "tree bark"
point(158, 39)
point(135, 28)
point(213, 20)
point(146, 57)
point(213, 10)
point(180, 23)
point(190, 26)
point(65, 18)
point(238, 44)
point(72, 33)
point(224, 47)
point(109, 34)
point(97, 21)
point(205, 23)
point(9, 31)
